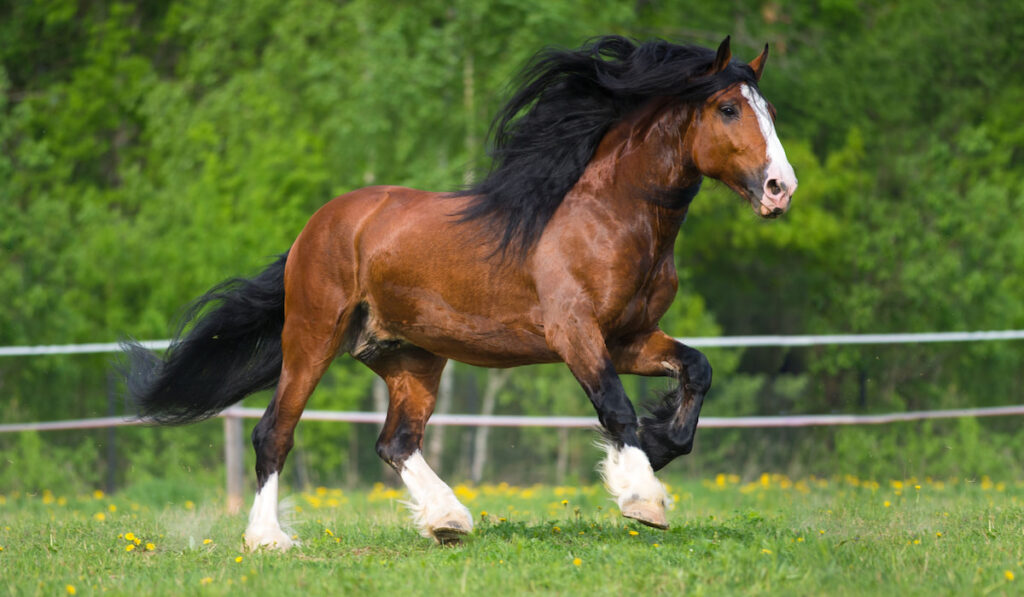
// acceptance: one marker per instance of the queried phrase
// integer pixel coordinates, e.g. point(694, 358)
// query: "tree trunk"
point(496, 379)
point(562, 463)
point(380, 405)
point(444, 404)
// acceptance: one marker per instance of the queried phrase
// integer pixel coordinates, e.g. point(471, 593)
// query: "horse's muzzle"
point(775, 197)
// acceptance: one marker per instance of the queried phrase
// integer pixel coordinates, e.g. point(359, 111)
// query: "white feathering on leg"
point(432, 503)
point(264, 530)
point(628, 475)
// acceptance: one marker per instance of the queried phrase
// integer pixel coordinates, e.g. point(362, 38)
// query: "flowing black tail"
point(231, 351)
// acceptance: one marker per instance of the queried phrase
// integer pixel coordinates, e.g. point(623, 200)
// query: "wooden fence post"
point(233, 461)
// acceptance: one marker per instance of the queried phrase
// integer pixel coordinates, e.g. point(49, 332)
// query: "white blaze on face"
point(778, 168)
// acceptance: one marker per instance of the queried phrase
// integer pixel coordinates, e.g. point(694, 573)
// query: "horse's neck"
point(643, 172)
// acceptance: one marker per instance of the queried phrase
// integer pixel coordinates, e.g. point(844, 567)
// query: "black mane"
point(568, 99)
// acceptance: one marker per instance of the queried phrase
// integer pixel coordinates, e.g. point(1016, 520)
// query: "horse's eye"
point(728, 110)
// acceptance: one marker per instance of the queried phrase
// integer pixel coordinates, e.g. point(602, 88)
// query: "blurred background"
point(149, 150)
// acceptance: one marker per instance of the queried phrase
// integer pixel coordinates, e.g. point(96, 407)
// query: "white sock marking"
point(264, 528)
point(433, 503)
point(629, 477)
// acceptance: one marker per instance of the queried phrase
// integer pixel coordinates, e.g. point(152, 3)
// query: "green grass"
point(771, 536)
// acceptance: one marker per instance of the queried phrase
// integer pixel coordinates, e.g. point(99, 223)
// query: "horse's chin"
point(766, 207)
point(768, 210)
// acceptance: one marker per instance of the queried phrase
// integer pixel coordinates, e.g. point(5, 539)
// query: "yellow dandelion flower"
point(137, 541)
point(207, 541)
point(98, 494)
point(239, 559)
point(887, 503)
point(150, 547)
point(100, 516)
point(502, 519)
point(129, 536)
point(189, 504)
point(577, 562)
point(633, 533)
point(1, 547)
point(821, 531)
point(799, 539)
point(1008, 575)
point(328, 532)
point(768, 551)
point(917, 542)
point(556, 530)
point(129, 547)
point(483, 513)
point(70, 589)
point(655, 545)
point(205, 580)
point(938, 534)
point(112, 508)
point(565, 502)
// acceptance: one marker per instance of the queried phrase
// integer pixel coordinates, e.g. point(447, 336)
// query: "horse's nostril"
point(777, 211)
point(774, 188)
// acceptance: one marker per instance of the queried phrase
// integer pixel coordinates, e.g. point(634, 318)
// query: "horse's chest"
point(651, 295)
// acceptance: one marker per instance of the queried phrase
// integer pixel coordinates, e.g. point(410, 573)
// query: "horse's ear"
point(722, 57)
point(758, 63)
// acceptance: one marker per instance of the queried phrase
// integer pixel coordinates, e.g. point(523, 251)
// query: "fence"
point(233, 442)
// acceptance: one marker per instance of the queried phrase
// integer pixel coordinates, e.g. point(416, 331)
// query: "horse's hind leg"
point(308, 347)
point(412, 377)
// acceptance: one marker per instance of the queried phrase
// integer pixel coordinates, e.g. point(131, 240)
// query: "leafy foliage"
point(148, 151)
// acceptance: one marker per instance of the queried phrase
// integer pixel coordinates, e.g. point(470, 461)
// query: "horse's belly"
point(459, 310)
point(477, 339)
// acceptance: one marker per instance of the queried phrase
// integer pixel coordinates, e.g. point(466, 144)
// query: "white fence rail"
point(237, 412)
point(696, 342)
point(232, 416)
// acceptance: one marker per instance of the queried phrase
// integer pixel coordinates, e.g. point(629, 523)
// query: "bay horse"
point(563, 252)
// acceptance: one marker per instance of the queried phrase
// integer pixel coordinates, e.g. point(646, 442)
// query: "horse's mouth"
point(769, 210)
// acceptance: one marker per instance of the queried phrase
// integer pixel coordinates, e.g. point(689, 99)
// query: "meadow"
point(767, 535)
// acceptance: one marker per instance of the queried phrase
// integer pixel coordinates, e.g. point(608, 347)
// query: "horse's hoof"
point(268, 539)
point(276, 545)
point(649, 513)
point(450, 532)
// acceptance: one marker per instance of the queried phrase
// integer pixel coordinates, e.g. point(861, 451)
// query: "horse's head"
point(734, 141)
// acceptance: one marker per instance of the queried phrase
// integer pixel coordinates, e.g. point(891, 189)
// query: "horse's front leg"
point(626, 470)
point(669, 430)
